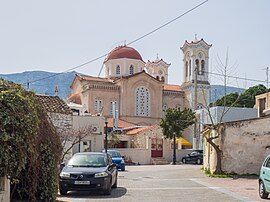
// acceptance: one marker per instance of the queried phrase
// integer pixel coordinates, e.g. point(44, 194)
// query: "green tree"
point(29, 145)
point(174, 123)
point(246, 99)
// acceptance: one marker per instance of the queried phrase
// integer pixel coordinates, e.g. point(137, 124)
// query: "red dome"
point(124, 52)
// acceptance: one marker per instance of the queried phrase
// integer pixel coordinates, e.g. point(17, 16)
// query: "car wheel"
point(262, 192)
point(123, 169)
point(63, 191)
point(115, 183)
point(199, 161)
point(108, 190)
point(184, 161)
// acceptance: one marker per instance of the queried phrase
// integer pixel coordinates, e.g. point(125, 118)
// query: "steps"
point(159, 161)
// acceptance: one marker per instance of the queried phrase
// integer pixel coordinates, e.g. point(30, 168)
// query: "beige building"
point(263, 104)
point(137, 91)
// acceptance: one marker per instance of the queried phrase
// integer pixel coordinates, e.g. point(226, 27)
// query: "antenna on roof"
point(196, 37)
point(56, 90)
point(125, 42)
point(101, 69)
point(157, 56)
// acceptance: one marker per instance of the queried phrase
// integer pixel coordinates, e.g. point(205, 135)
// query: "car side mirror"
point(62, 165)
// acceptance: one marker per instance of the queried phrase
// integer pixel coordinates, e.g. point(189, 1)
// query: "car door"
point(112, 169)
point(193, 156)
point(266, 174)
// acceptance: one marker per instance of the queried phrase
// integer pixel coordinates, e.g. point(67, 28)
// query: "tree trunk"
point(218, 169)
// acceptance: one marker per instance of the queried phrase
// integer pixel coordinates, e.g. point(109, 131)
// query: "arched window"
point(131, 69)
point(186, 68)
point(142, 101)
point(202, 67)
point(162, 79)
point(98, 105)
point(189, 67)
point(157, 77)
point(197, 66)
point(118, 70)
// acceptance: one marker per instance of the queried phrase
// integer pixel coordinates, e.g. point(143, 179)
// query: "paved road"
point(170, 183)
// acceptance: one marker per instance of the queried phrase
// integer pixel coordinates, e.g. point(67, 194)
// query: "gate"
point(156, 147)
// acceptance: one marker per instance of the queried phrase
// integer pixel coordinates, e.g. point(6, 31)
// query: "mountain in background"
point(63, 81)
point(44, 86)
point(218, 91)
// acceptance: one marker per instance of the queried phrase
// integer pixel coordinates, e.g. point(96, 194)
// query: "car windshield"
point(87, 160)
point(115, 154)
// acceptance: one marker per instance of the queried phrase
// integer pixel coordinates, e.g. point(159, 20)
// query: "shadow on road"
point(116, 193)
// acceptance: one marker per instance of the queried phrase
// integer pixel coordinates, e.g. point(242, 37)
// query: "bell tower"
point(196, 72)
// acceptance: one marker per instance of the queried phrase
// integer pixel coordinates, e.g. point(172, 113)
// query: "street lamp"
point(174, 148)
point(106, 134)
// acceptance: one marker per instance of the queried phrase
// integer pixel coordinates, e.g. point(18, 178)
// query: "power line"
point(135, 40)
point(237, 77)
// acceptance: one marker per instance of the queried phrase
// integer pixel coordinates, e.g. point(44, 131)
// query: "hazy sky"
point(57, 35)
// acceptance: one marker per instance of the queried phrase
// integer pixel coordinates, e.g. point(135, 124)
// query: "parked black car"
point(194, 157)
point(88, 171)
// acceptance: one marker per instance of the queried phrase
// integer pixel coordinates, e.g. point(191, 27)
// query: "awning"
point(184, 142)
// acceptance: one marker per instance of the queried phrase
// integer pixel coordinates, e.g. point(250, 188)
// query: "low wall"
point(136, 155)
point(143, 156)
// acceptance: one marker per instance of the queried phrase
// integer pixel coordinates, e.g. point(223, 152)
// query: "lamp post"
point(106, 134)
point(174, 148)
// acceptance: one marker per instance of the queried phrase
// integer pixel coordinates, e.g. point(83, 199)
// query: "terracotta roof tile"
point(124, 52)
point(170, 87)
point(75, 98)
point(93, 78)
point(138, 130)
point(53, 104)
point(121, 123)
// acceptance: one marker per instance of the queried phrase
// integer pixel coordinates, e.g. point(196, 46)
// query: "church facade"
point(137, 91)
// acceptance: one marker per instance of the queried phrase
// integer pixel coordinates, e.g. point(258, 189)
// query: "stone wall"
point(61, 121)
point(245, 144)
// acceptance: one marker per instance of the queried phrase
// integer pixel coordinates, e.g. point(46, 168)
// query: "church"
point(138, 92)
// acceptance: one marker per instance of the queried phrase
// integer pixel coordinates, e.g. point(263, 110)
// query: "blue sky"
point(58, 35)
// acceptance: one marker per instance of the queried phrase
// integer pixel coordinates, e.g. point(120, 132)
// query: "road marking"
point(170, 188)
point(225, 191)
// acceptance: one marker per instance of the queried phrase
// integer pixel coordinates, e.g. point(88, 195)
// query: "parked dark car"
point(88, 171)
point(117, 159)
point(264, 179)
point(194, 157)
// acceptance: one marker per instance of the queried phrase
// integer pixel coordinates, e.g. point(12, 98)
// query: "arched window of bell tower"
point(186, 68)
point(202, 67)
point(157, 77)
point(197, 66)
point(189, 67)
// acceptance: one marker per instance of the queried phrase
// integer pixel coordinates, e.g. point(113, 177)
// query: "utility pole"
point(267, 76)
point(195, 105)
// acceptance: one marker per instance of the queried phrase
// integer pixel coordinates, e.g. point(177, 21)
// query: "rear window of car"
point(115, 154)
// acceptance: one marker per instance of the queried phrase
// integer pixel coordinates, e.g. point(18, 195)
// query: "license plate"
point(82, 182)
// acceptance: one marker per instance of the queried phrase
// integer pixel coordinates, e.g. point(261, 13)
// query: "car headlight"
point(102, 174)
point(122, 161)
point(65, 175)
